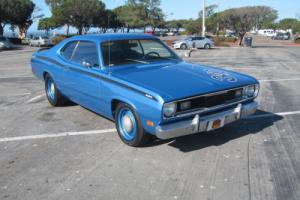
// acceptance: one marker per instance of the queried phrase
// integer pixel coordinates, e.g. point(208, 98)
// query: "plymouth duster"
point(141, 84)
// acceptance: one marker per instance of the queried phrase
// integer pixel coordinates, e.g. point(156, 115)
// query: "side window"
point(154, 47)
point(68, 49)
point(86, 54)
point(199, 38)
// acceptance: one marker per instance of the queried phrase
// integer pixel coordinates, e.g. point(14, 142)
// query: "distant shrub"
point(58, 39)
point(297, 40)
point(230, 39)
point(220, 41)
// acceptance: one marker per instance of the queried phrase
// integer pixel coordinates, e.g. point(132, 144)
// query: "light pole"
point(203, 18)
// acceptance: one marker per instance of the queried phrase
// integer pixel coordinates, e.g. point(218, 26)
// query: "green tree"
point(175, 24)
point(128, 16)
point(78, 13)
point(148, 13)
point(209, 10)
point(244, 19)
point(17, 13)
point(46, 24)
point(193, 26)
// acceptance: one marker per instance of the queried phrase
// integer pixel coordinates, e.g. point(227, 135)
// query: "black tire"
point(183, 47)
point(140, 137)
point(58, 99)
point(207, 46)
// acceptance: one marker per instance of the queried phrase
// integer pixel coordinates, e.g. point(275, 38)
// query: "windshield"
point(145, 51)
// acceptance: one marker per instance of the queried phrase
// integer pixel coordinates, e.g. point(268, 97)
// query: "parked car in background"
point(200, 42)
point(149, 32)
point(39, 41)
point(281, 36)
point(141, 84)
point(172, 33)
point(5, 43)
point(160, 34)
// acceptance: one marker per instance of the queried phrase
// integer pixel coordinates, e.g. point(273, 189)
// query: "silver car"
point(5, 43)
point(193, 42)
point(39, 41)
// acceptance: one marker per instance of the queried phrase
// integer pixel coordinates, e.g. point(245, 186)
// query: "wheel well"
point(114, 104)
point(44, 74)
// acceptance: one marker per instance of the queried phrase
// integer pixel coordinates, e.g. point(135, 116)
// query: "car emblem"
point(221, 75)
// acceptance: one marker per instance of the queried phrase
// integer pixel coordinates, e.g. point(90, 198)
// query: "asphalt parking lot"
point(71, 153)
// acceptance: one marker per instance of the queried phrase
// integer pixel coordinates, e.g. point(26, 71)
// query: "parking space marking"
point(278, 80)
point(95, 132)
point(274, 114)
point(21, 76)
point(65, 134)
point(15, 95)
point(36, 98)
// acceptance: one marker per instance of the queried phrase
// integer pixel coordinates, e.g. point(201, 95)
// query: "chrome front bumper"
point(201, 124)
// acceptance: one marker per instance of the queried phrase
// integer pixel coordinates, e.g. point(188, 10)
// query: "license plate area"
point(215, 123)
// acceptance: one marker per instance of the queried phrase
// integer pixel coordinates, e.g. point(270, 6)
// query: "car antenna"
point(109, 43)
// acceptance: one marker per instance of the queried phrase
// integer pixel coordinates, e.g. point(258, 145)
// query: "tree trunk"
point(1, 30)
point(241, 34)
point(67, 29)
point(80, 29)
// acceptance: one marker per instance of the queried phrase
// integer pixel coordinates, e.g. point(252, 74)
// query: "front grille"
point(212, 100)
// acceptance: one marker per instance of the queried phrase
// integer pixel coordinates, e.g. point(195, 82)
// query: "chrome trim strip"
point(200, 124)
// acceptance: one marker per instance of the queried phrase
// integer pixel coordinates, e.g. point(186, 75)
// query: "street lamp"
point(203, 18)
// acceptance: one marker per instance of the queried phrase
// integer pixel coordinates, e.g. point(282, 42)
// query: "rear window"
point(86, 52)
point(68, 49)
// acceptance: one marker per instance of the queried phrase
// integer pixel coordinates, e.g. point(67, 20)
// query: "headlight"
point(169, 109)
point(251, 91)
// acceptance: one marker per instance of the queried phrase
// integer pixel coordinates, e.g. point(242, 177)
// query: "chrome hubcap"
point(127, 123)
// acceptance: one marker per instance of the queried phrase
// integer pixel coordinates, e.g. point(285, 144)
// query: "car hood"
point(173, 81)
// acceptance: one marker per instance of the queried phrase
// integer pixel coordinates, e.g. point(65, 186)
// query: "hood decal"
point(220, 75)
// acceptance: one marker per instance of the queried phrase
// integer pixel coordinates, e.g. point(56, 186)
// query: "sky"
point(186, 9)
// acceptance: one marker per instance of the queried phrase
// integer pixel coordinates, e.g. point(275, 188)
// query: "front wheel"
point(129, 126)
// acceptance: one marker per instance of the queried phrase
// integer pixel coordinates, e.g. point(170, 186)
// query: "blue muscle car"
point(141, 84)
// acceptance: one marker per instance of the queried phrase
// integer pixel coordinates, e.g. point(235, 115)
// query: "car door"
point(84, 79)
point(200, 42)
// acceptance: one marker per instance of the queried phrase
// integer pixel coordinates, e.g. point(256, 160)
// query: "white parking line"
point(278, 80)
point(36, 98)
point(65, 134)
point(20, 76)
point(95, 132)
point(15, 95)
point(274, 114)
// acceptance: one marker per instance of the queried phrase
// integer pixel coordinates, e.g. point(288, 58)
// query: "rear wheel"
point(207, 46)
point(129, 126)
point(183, 46)
point(54, 96)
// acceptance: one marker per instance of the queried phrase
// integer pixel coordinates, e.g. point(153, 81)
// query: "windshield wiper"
point(138, 61)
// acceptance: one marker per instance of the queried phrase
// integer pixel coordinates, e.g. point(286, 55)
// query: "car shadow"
point(221, 136)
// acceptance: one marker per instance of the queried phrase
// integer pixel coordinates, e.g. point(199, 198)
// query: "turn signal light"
point(149, 123)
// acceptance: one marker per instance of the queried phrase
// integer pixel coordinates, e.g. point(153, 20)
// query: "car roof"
point(111, 36)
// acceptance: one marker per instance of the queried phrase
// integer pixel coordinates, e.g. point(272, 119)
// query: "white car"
point(194, 41)
point(39, 41)
point(5, 43)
